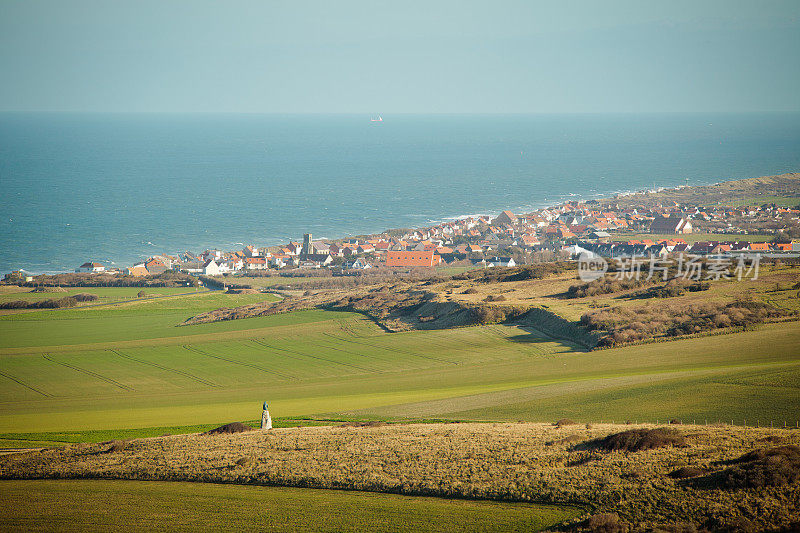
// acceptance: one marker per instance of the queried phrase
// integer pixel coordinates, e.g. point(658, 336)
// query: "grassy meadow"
point(81, 505)
point(84, 374)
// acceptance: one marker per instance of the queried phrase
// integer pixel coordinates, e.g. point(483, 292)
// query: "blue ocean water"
point(117, 188)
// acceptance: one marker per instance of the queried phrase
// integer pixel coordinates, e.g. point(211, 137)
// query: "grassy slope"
point(774, 286)
point(128, 366)
point(781, 201)
point(83, 505)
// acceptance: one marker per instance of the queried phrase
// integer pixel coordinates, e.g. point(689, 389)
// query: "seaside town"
point(561, 232)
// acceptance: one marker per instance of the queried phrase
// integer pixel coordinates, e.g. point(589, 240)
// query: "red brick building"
point(412, 258)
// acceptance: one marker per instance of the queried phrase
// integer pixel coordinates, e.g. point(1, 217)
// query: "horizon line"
point(390, 113)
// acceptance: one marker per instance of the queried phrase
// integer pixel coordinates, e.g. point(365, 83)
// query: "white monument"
point(266, 420)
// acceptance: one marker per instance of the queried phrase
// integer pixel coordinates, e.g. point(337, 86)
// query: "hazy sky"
point(400, 56)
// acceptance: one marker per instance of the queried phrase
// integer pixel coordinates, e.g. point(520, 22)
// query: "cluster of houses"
point(505, 240)
point(663, 247)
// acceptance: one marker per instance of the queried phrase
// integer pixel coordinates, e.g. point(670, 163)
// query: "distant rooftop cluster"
point(562, 231)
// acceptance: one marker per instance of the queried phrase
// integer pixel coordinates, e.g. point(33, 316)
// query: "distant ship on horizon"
point(379, 119)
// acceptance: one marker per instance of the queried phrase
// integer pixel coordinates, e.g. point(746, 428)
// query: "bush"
point(564, 422)
point(764, 467)
point(471, 290)
point(623, 325)
point(493, 298)
point(167, 279)
point(49, 289)
point(117, 446)
point(605, 285)
point(606, 523)
point(233, 427)
point(141, 294)
point(635, 440)
point(67, 301)
point(491, 314)
point(85, 297)
point(687, 472)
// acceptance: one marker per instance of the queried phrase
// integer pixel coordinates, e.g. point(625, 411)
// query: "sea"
point(118, 188)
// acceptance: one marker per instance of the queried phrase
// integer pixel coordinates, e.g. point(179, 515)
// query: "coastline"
point(192, 182)
point(617, 196)
point(527, 208)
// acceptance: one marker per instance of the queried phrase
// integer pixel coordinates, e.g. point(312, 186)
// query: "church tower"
point(308, 248)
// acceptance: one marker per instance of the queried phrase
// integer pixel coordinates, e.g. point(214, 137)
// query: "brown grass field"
point(541, 463)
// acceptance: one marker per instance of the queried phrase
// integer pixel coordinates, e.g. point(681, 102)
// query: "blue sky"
point(400, 57)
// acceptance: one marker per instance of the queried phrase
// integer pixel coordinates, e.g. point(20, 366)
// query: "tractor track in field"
point(348, 352)
point(320, 358)
point(396, 350)
point(89, 373)
point(166, 369)
point(241, 363)
point(22, 383)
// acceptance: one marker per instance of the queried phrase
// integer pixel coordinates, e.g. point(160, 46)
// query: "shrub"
point(233, 427)
point(493, 298)
point(141, 294)
point(623, 324)
point(85, 297)
point(521, 273)
point(471, 290)
point(367, 424)
point(635, 440)
point(564, 422)
point(764, 467)
point(49, 289)
point(687, 472)
point(606, 523)
point(605, 285)
point(67, 301)
point(117, 446)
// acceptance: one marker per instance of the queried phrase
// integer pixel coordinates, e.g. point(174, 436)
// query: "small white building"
point(211, 268)
point(358, 264)
point(91, 267)
point(255, 263)
point(501, 262)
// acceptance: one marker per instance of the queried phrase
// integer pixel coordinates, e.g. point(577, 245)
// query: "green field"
point(85, 505)
point(105, 294)
point(128, 367)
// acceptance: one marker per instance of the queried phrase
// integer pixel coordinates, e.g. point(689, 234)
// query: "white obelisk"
point(266, 420)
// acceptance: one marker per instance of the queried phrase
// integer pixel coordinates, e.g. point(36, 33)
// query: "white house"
point(496, 262)
point(358, 264)
point(211, 268)
point(575, 251)
point(90, 267)
point(255, 263)
point(502, 262)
